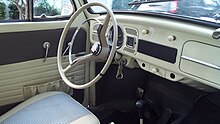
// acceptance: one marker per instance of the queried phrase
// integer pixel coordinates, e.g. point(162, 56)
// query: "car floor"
point(168, 102)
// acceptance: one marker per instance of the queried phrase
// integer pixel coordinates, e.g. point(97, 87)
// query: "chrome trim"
point(201, 62)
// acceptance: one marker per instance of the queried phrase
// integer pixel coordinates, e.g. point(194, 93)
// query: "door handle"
point(46, 46)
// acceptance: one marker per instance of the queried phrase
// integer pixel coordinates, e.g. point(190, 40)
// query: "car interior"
point(105, 65)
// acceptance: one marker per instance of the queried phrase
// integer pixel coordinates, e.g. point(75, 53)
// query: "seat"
point(49, 108)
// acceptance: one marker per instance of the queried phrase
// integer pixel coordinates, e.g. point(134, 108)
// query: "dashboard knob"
point(171, 38)
point(155, 70)
point(145, 31)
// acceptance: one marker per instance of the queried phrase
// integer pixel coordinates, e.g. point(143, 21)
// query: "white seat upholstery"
point(49, 108)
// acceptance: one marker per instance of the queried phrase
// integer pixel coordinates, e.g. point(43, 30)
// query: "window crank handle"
point(46, 46)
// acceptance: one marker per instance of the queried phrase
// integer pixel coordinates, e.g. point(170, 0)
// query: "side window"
point(18, 9)
point(52, 8)
point(13, 9)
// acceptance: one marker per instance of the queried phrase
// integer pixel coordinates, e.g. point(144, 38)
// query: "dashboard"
point(175, 50)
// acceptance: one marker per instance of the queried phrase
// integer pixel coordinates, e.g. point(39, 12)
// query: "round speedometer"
point(120, 37)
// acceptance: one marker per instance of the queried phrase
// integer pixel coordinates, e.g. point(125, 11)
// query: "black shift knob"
point(141, 104)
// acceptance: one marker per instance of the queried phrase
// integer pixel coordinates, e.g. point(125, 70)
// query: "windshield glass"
point(208, 10)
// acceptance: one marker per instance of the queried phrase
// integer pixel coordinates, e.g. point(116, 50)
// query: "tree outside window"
point(2, 11)
point(18, 9)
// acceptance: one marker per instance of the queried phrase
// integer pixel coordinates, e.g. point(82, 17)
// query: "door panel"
point(24, 46)
point(14, 77)
point(22, 70)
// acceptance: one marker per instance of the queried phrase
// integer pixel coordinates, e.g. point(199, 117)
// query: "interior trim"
point(14, 77)
point(201, 62)
point(162, 52)
point(169, 16)
point(17, 45)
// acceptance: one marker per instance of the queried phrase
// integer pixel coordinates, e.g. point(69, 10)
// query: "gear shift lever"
point(141, 104)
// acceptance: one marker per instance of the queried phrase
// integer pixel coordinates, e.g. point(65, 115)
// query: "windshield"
point(208, 10)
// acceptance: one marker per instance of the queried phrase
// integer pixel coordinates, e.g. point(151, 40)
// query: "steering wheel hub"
point(96, 48)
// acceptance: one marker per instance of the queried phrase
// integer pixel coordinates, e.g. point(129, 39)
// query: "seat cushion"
point(49, 108)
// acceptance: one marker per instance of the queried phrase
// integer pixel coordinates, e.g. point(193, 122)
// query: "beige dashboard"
point(177, 51)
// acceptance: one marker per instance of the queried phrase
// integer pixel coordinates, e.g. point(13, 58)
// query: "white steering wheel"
point(99, 50)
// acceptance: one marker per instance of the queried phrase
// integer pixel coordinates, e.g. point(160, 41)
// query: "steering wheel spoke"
point(103, 29)
point(80, 60)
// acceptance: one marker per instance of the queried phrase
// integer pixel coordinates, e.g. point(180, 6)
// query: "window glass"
point(207, 10)
point(18, 9)
point(52, 8)
point(13, 9)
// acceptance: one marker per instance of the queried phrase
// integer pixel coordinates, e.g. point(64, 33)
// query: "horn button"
point(96, 48)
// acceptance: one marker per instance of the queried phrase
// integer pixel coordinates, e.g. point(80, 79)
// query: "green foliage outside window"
point(2, 11)
point(13, 12)
point(21, 8)
point(18, 9)
point(120, 4)
point(44, 7)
